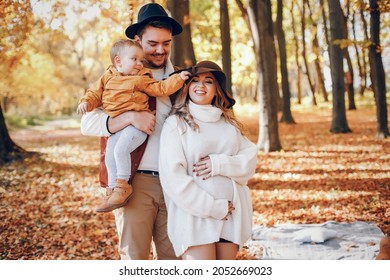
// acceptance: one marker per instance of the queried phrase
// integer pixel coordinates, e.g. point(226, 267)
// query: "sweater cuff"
point(108, 129)
point(94, 123)
point(215, 165)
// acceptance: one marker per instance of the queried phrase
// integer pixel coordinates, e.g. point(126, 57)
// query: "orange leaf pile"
point(47, 201)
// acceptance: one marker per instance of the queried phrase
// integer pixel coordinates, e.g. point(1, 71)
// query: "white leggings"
point(119, 147)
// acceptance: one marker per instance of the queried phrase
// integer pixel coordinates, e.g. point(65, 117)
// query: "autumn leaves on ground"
point(47, 201)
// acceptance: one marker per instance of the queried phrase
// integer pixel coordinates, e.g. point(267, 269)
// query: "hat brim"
point(199, 70)
point(132, 30)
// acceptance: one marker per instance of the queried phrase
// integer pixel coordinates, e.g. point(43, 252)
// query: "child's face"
point(130, 60)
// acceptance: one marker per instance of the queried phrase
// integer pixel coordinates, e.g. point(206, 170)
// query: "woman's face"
point(202, 88)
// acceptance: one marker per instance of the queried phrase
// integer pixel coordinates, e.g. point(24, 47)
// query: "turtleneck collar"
point(204, 113)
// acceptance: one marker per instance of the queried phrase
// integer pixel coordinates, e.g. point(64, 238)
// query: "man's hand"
point(143, 120)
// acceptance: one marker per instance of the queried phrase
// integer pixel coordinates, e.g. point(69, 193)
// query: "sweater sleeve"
point(240, 167)
point(156, 88)
point(178, 184)
point(94, 123)
point(94, 95)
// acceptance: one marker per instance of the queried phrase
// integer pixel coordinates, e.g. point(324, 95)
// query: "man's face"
point(156, 43)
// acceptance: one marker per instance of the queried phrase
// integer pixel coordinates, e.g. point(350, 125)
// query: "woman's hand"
point(230, 210)
point(203, 167)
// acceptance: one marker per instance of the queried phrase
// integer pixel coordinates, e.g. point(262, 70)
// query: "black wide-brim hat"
point(151, 12)
point(209, 66)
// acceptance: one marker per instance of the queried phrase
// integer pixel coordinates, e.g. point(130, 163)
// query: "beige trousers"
point(143, 220)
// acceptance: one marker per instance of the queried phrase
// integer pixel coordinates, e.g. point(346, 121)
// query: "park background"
point(318, 162)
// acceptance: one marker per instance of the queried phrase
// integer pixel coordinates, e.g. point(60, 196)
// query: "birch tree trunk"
point(260, 17)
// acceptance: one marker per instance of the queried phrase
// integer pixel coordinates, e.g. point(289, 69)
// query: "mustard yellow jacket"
point(118, 93)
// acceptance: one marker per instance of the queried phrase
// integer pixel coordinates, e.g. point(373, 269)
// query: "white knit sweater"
point(196, 206)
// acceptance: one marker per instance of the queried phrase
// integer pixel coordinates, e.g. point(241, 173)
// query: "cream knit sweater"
point(196, 206)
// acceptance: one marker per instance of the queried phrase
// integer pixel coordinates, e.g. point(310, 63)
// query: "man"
point(145, 217)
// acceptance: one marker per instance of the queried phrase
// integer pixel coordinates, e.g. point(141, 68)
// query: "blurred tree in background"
point(51, 50)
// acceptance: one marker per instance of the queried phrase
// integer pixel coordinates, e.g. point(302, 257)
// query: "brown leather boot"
point(121, 194)
point(104, 205)
point(384, 249)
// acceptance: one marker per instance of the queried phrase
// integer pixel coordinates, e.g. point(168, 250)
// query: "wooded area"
point(311, 79)
point(276, 53)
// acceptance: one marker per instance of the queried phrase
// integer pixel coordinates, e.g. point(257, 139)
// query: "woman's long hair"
point(181, 109)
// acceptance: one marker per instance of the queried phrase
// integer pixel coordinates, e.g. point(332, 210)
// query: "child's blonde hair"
point(120, 45)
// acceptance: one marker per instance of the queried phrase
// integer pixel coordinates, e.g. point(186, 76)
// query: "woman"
point(205, 163)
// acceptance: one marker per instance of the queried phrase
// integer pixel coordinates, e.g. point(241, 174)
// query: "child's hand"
point(185, 75)
point(82, 108)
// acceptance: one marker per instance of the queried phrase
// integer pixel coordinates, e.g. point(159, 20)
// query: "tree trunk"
point(364, 52)
point(323, 13)
point(260, 16)
point(316, 52)
point(339, 118)
point(183, 54)
point(9, 151)
point(350, 81)
point(349, 78)
point(303, 30)
point(377, 72)
point(358, 57)
point(245, 16)
point(225, 39)
point(286, 107)
point(297, 60)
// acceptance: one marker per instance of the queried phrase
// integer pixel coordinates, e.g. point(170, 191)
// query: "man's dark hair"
point(155, 23)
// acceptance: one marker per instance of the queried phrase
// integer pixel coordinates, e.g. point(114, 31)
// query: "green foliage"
point(14, 30)
point(51, 51)
point(345, 43)
point(65, 50)
point(207, 43)
point(17, 121)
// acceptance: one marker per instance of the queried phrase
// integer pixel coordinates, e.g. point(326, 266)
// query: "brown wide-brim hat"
point(151, 12)
point(209, 66)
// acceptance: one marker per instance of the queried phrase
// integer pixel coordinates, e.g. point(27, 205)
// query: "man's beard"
point(150, 64)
